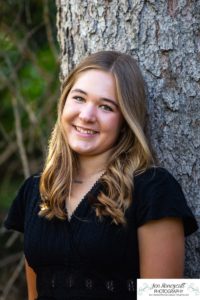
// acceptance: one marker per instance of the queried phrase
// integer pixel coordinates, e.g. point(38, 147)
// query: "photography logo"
point(160, 289)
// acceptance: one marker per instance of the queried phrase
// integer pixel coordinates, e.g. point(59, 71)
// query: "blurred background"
point(29, 89)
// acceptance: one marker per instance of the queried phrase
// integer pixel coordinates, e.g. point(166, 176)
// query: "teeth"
point(87, 131)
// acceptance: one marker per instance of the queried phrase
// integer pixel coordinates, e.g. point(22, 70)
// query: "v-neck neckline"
point(83, 201)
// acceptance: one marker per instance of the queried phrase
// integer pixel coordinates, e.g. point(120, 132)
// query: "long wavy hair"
point(131, 154)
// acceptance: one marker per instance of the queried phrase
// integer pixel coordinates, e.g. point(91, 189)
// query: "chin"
point(82, 151)
point(79, 149)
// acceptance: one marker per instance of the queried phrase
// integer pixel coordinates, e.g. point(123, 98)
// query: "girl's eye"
point(78, 98)
point(106, 107)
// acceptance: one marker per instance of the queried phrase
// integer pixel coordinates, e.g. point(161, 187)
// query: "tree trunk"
point(164, 37)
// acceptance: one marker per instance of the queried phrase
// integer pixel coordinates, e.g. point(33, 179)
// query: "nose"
point(88, 113)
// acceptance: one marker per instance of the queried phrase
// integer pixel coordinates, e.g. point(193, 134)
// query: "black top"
point(87, 258)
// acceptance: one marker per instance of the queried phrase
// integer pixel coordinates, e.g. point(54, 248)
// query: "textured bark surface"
point(164, 36)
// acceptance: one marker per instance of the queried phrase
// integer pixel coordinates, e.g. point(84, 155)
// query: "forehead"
point(97, 82)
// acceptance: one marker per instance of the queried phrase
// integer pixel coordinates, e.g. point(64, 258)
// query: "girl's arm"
point(31, 282)
point(161, 248)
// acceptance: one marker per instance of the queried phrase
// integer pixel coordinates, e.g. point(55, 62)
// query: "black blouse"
point(89, 258)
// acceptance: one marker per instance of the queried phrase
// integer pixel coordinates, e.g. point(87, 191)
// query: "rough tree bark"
point(164, 36)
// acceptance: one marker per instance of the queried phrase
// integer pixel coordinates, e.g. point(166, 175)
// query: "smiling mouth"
point(84, 130)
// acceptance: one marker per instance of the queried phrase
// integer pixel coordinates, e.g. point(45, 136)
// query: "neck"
point(89, 165)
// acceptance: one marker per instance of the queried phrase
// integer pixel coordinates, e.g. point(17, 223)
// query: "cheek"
point(67, 113)
point(115, 124)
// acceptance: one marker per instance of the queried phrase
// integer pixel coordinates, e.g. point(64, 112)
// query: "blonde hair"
point(131, 153)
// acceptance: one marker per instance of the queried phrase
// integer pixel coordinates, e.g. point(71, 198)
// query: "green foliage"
point(29, 87)
point(7, 192)
point(31, 82)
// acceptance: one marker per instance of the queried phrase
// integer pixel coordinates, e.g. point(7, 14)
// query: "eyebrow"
point(102, 98)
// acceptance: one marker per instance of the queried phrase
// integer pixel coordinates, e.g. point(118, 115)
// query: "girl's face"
point(91, 116)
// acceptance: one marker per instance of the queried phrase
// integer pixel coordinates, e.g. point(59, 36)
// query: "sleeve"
point(16, 214)
point(159, 195)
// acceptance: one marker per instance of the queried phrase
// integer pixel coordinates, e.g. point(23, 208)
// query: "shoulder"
point(31, 180)
point(24, 202)
point(157, 194)
point(155, 179)
point(29, 187)
point(153, 174)
point(153, 182)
